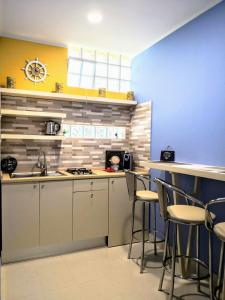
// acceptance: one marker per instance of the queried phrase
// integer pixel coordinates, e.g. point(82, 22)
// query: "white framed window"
point(81, 131)
point(94, 69)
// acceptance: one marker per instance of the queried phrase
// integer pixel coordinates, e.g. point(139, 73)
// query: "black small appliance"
point(8, 164)
point(114, 159)
point(167, 154)
point(128, 162)
point(52, 127)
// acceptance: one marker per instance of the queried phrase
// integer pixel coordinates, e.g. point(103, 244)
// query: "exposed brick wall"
point(140, 133)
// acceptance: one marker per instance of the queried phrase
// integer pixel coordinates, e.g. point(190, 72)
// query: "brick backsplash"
point(75, 152)
point(140, 133)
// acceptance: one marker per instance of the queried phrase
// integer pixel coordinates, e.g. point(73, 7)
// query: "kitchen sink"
point(54, 173)
point(34, 174)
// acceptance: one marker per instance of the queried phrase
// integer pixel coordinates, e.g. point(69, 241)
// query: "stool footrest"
point(148, 240)
point(191, 276)
point(217, 290)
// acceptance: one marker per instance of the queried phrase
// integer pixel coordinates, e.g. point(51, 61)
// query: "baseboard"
point(38, 252)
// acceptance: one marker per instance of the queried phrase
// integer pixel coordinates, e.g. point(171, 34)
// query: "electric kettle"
point(52, 127)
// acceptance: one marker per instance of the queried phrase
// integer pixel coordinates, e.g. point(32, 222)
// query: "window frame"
point(95, 62)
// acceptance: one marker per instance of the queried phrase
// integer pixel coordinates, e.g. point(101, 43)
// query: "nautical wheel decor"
point(35, 71)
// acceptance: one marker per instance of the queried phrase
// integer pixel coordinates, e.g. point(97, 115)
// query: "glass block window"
point(81, 131)
point(94, 69)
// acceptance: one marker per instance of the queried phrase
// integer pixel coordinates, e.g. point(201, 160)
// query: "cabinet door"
point(90, 214)
point(120, 213)
point(20, 217)
point(55, 213)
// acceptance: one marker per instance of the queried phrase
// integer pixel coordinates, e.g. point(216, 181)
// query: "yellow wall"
point(13, 56)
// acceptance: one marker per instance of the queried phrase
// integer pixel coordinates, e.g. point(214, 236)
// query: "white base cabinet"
point(90, 209)
point(120, 208)
point(55, 213)
point(38, 217)
point(90, 214)
point(20, 217)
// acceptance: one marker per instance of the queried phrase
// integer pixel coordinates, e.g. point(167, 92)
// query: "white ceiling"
point(128, 26)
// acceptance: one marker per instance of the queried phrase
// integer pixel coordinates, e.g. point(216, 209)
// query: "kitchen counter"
point(198, 170)
point(67, 176)
point(55, 215)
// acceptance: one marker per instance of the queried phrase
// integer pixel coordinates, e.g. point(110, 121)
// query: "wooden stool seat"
point(146, 195)
point(187, 214)
point(219, 230)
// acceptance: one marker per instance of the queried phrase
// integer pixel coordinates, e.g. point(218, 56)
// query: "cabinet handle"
point(92, 182)
point(42, 186)
point(34, 186)
point(112, 181)
point(92, 195)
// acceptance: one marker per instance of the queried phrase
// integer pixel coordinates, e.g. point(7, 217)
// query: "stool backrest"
point(209, 221)
point(131, 184)
point(165, 199)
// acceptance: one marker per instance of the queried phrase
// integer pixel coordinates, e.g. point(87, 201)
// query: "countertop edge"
point(98, 174)
point(198, 170)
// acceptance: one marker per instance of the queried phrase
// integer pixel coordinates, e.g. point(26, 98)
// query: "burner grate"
point(79, 171)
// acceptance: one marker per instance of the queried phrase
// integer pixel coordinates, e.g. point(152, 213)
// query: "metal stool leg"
point(197, 256)
point(173, 261)
point(132, 229)
point(219, 282)
point(167, 225)
point(154, 229)
point(149, 220)
point(223, 291)
point(210, 266)
point(143, 238)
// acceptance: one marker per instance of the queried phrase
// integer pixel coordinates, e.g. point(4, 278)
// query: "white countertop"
point(198, 170)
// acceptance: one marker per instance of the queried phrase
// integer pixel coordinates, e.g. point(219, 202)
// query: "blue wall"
point(184, 76)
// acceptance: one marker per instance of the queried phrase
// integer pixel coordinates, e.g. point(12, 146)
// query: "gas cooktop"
point(79, 171)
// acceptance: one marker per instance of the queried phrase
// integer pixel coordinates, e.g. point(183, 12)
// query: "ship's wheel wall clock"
point(35, 71)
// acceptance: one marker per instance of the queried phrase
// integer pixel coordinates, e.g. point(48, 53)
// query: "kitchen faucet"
point(42, 163)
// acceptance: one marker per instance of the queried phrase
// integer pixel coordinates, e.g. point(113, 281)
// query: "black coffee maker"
point(128, 161)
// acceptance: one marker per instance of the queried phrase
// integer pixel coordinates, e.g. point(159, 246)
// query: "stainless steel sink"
point(54, 173)
point(34, 174)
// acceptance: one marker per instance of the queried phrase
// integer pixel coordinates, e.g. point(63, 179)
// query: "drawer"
point(90, 185)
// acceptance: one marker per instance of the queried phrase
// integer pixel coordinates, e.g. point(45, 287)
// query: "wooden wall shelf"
point(66, 97)
point(10, 136)
point(29, 113)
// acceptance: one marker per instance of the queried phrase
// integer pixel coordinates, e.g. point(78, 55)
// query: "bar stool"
point(219, 230)
point(145, 197)
point(189, 215)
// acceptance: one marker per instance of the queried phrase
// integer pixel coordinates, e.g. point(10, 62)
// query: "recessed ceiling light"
point(94, 17)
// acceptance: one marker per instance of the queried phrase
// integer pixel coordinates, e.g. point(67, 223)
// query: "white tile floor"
point(97, 274)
